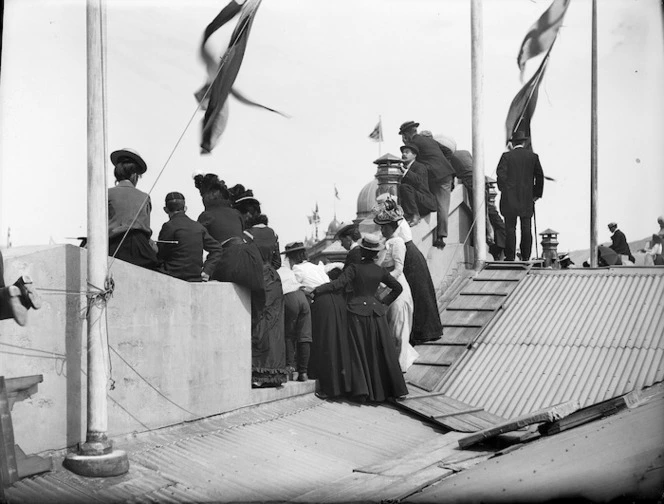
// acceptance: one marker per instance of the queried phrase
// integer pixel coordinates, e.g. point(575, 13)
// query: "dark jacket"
point(520, 180)
point(354, 256)
point(184, 259)
point(222, 221)
point(267, 242)
point(619, 244)
point(417, 178)
point(433, 157)
point(364, 279)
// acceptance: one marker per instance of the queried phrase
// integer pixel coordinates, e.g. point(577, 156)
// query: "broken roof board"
point(563, 335)
point(601, 461)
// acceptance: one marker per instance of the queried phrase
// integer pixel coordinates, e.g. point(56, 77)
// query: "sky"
point(334, 66)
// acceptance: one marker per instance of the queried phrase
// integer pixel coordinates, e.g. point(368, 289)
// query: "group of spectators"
point(429, 169)
point(330, 322)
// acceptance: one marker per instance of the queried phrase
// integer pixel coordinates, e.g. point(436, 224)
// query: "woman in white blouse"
point(400, 313)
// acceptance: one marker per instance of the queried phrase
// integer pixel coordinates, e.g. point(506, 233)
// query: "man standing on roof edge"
point(521, 183)
point(440, 171)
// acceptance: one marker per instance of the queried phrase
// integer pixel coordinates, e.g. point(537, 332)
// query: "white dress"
point(400, 313)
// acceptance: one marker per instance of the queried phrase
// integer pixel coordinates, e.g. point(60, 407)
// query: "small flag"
point(542, 34)
point(310, 218)
point(336, 192)
point(377, 134)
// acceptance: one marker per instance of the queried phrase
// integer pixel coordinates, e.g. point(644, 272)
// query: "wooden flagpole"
point(593, 141)
point(96, 456)
point(477, 77)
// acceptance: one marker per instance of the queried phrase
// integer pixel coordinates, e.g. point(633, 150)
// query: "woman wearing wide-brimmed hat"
point(129, 212)
point(375, 374)
point(400, 313)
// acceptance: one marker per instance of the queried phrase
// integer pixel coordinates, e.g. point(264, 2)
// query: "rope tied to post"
point(99, 297)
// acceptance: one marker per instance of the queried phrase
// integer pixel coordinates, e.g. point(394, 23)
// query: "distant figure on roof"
point(414, 195)
point(521, 183)
point(182, 242)
point(129, 212)
point(660, 221)
point(219, 218)
point(432, 154)
point(619, 243)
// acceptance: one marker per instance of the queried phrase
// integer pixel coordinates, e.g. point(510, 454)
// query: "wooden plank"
point(465, 318)
point(638, 397)
point(550, 414)
point(502, 275)
point(29, 465)
point(8, 469)
point(439, 355)
point(585, 415)
point(424, 377)
point(457, 413)
point(476, 302)
point(499, 288)
point(459, 335)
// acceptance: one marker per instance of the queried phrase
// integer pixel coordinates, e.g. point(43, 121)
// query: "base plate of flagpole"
point(114, 463)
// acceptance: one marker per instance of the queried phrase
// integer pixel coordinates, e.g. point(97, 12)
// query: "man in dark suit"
point(182, 241)
point(619, 242)
point(414, 195)
point(440, 172)
point(521, 182)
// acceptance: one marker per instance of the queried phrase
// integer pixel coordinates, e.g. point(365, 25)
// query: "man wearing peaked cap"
point(182, 242)
point(440, 174)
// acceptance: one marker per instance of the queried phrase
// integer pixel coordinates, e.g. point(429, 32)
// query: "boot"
point(303, 352)
point(29, 296)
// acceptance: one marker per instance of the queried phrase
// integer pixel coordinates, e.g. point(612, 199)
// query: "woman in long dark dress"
point(375, 374)
point(268, 345)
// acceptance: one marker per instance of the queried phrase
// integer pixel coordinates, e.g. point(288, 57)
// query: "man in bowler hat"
point(440, 171)
point(414, 195)
point(521, 182)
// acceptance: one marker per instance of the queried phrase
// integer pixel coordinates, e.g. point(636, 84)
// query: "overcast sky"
point(334, 66)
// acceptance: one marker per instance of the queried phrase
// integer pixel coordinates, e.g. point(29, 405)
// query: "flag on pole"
point(213, 96)
point(542, 34)
point(336, 192)
point(523, 105)
point(377, 134)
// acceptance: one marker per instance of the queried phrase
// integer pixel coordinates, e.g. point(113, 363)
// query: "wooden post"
point(96, 456)
point(593, 142)
point(479, 208)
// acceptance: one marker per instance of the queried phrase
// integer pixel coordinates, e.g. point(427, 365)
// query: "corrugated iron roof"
point(588, 335)
point(272, 452)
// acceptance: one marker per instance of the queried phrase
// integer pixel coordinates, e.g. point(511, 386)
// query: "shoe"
point(29, 296)
point(18, 309)
point(321, 395)
point(302, 377)
point(439, 243)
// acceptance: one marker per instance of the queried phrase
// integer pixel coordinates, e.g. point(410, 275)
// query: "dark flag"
point(523, 105)
point(377, 134)
point(542, 34)
point(214, 97)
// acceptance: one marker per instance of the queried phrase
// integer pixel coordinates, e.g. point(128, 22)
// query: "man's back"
point(184, 258)
point(431, 155)
point(520, 180)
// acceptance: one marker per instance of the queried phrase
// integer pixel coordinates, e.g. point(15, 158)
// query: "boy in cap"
point(182, 241)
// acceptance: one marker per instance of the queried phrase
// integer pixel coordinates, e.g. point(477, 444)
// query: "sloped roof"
point(582, 334)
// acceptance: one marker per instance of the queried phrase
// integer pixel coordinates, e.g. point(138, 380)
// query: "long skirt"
point(134, 249)
point(400, 322)
point(330, 353)
point(375, 372)
point(426, 319)
point(268, 346)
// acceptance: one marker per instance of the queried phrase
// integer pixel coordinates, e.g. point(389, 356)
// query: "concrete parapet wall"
point(177, 350)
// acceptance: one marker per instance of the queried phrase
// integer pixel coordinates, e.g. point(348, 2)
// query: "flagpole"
point(477, 52)
point(593, 141)
point(96, 456)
